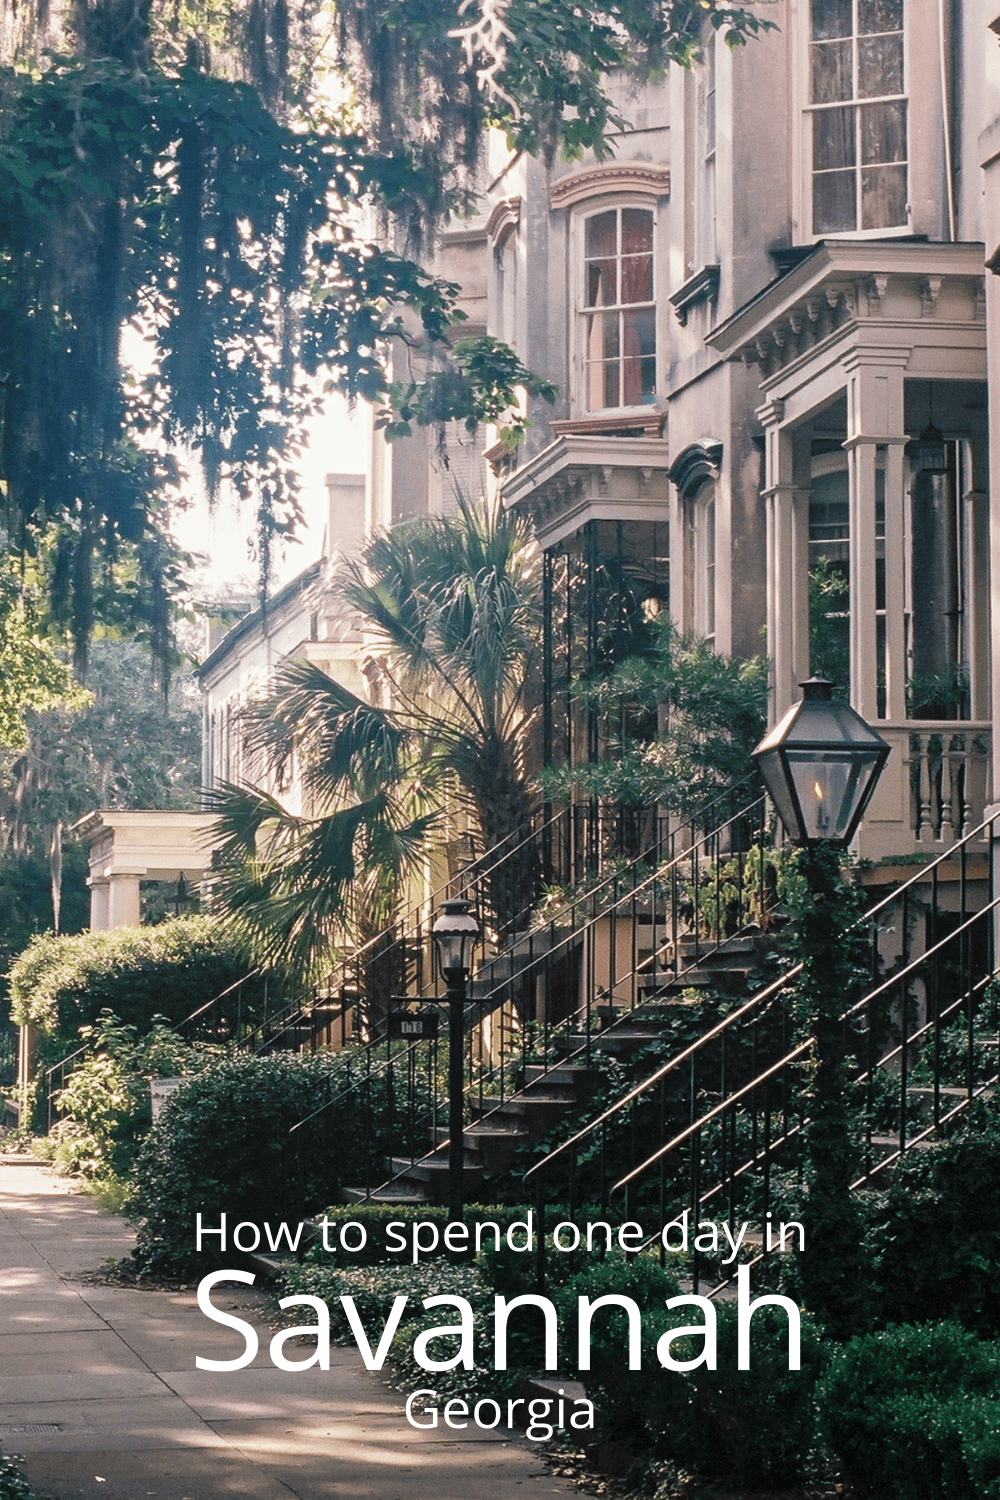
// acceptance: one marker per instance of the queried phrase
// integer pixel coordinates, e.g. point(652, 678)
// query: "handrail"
point(640, 1088)
point(866, 919)
point(577, 933)
point(805, 1046)
point(215, 1000)
point(471, 873)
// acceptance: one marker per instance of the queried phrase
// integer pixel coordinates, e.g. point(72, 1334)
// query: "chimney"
point(345, 529)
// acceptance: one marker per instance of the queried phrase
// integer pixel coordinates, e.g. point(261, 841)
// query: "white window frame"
point(704, 548)
point(578, 353)
point(706, 234)
point(804, 113)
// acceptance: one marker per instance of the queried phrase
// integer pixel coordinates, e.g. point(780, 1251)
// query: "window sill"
point(643, 421)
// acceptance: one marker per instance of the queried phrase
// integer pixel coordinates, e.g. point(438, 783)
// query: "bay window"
point(858, 109)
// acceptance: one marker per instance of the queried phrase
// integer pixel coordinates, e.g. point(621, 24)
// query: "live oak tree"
point(173, 167)
point(119, 745)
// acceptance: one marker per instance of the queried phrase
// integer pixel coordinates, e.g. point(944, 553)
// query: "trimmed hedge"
point(913, 1413)
point(223, 1143)
point(62, 983)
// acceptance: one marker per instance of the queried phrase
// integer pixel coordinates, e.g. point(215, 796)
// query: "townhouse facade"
point(772, 316)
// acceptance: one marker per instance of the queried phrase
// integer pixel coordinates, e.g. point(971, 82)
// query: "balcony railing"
point(936, 787)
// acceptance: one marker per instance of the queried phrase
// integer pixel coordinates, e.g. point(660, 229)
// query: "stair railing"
point(763, 1103)
point(715, 863)
point(557, 841)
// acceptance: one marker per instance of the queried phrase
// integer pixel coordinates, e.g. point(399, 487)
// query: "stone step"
point(575, 1075)
point(890, 1144)
point(434, 1170)
point(925, 1092)
point(398, 1195)
point(478, 1136)
point(622, 1039)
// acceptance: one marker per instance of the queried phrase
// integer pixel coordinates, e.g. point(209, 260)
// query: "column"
point(123, 901)
point(977, 562)
point(787, 501)
point(895, 573)
point(875, 420)
point(99, 897)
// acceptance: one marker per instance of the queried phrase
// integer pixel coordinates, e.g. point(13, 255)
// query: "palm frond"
point(342, 743)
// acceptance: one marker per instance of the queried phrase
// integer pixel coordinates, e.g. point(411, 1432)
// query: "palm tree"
point(453, 611)
point(297, 885)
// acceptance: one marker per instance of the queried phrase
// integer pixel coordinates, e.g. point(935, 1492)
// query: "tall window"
point(704, 563)
point(858, 108)
point(619, 316)
point(705, 236)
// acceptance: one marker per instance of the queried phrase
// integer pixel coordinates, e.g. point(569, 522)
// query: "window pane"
point(639, 376)
point(602, 235)
point(637, 278)
point(601, 288)
point(831, 18)
point(640, 332)
point(883, 133)
point(883, 197)
point(602, 336)
point(637, 231)
point(879, 15)
point(602, 386)
point(834, 207)
point(831, 72)
point(880, 66)
point(834, 139)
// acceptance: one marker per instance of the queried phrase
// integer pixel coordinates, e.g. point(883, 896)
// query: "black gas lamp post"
point(456, 933)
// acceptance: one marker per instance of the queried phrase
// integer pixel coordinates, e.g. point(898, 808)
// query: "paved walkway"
point(99, 1390)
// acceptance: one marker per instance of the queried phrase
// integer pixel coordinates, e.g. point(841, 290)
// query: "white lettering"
point(205, 1303)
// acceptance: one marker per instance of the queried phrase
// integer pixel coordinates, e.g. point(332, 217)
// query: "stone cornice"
point(647, 420)
point(861, 281)
point(703, 286)
point(504, 218)
point(610, 177)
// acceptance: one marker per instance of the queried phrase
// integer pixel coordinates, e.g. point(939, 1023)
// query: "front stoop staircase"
point(723, 1118)
point(565, 1084)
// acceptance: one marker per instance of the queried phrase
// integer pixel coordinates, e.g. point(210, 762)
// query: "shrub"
point(62, 983)
point(913, 1413)
point(13, 1484)
point(106, 1104)
point(224, 1144)
point(934, 1237)
point(747, 1427)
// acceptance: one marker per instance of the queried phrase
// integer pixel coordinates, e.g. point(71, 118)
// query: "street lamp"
point(821, 764)
point(456, 933)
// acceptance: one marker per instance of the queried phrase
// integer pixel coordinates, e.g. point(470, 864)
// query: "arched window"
point(618, 309)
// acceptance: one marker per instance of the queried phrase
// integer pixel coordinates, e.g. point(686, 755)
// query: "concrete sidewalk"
point(99, 1390)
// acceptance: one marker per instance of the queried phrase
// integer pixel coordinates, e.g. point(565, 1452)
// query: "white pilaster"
point(875, 420)
point(787, 531)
